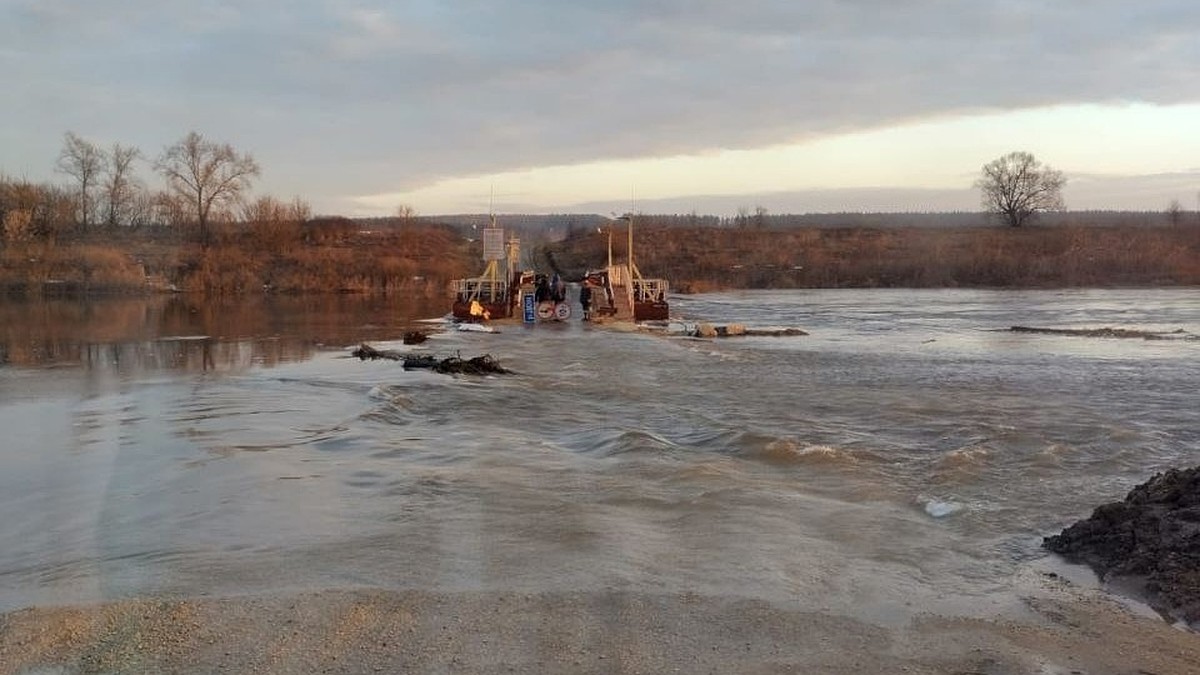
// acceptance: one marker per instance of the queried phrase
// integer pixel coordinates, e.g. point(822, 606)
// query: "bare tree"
point(760, 217)
point(1017, 186)
point(206, 174)
point(120, 185)
point(32, 211)
point(743, 217)
point(1175, 212)
point(163, 208)
point(84, 162)
point(276, 224)
point(406, 212)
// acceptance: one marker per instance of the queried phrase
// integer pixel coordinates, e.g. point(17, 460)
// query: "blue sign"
point(527, 302)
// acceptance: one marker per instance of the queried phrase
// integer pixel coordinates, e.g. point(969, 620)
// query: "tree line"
point(203, 181)
point(106, 230)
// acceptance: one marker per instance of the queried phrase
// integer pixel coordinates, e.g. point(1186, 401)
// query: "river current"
point(907, 455)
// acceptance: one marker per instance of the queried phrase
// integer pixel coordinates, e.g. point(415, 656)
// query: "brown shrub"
point(1060, 256)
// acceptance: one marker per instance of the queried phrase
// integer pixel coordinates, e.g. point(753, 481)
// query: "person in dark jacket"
point(585, 299)
point(558, 290)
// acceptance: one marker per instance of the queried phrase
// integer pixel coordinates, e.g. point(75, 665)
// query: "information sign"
point(528, 306)
point(493, 244)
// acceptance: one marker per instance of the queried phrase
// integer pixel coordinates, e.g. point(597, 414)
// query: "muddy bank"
point(1064, 630)
point(1153, 536)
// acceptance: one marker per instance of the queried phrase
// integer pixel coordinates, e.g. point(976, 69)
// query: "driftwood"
point(1154, 536)
point(479, 365)
point(704, 329)
point(1107, 333)
point(415, 337)
point(776, 332)
point(366, 351)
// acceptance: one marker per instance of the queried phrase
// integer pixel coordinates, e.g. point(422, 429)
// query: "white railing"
point(649, 290)
point(484, 290)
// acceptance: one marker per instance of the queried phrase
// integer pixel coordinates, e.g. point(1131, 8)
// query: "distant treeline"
point(106, 230)
point(698, 259)
point(556, 226)
point(151, 243)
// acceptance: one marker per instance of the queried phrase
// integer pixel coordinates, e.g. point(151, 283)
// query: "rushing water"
point(906, 454)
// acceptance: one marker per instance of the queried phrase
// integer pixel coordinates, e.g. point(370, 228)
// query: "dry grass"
point(701, 259)
point(335, 257)
point(327, 259)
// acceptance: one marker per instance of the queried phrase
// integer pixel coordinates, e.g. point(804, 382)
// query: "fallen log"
point(366, 351)
point(415, 337)
point(1153, 537)
point(420, 361)
point(711, 330)
point(1179, 334)
point(776, 332)
point(479, 365)
point(452, 365)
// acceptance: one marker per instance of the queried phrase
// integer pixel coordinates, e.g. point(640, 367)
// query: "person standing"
point(585, 299)
point(558, 290)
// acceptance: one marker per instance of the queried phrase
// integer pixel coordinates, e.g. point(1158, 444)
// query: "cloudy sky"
point(594, 105)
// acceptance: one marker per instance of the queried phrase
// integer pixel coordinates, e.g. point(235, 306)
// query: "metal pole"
point(631, 243)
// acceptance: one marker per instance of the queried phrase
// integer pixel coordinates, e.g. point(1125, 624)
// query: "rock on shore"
point(1153, 535)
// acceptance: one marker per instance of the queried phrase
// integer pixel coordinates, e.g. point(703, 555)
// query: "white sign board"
point(493, 244)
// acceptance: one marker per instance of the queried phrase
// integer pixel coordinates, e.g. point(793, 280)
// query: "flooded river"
point(908, 453)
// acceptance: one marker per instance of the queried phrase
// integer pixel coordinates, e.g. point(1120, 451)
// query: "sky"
point(661, 106)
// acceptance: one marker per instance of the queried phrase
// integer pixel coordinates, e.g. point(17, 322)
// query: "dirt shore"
point(1065, 629)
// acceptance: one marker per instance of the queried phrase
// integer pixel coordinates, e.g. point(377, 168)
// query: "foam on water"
point(938, 508)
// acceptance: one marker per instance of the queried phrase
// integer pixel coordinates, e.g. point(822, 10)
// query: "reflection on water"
point(179, 332)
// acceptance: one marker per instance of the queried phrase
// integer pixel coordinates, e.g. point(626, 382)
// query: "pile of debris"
point(479, 365)
point(1152, 536)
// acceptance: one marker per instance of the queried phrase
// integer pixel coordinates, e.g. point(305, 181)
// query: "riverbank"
point(1065, 629)
point(315, 258)
point(340, 258)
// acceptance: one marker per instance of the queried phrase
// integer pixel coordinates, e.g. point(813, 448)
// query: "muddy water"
point(906, 456)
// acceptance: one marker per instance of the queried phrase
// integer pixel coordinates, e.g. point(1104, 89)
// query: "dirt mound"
point(1154, 534)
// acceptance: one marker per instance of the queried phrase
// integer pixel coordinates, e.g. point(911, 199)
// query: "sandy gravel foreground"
point(367, 631)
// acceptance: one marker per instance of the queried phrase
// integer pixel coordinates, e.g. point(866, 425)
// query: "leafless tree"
point(32, 211)
point(206, 175)
point(760, 217)
point(163, 208)
point(406, 213)
point(120, 185)
point(1175, 212)
point(742, 219)
point(1017, 186)
point(276, 224)
point(267, 209)
point(83, 161)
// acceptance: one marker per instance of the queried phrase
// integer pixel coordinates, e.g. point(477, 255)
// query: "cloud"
point(1149, 192)
point(341, 97)
point(558, 82)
